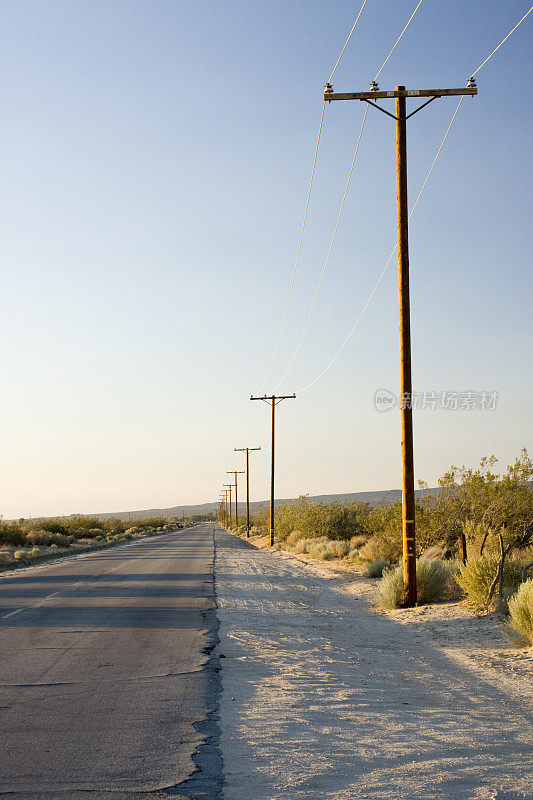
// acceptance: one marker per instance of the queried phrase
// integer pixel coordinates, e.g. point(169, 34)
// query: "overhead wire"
point(342, 203)
point(397, 40)
point(328, 254)
point(346, 42)
point(354, 327)
point(284, 318)
point(502, 41)
point(382, 273)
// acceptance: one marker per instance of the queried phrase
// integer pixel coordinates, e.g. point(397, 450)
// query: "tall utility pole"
point(230, 487)
point(236, 472)
point(247, 450)
point(408, 480)
point(273, 400)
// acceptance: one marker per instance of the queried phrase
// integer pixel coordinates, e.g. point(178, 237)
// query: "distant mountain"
point(377, 498)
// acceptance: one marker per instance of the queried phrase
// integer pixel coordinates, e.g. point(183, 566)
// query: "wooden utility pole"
point(236, 472)
point(230, 487)
point(247, 450)
point(273, 400)
point(222, 512)
point(408, 478)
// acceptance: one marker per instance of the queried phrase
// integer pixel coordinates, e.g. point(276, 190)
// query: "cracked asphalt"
point(107, 688)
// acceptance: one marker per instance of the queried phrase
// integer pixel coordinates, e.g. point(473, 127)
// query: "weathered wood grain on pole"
point(408, 476)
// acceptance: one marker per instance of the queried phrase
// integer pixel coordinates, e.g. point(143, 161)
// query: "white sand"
point(325, 698)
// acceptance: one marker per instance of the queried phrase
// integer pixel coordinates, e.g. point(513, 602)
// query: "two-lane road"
point(104, 673)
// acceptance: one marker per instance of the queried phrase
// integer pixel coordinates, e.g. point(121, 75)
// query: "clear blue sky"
point(156, 157)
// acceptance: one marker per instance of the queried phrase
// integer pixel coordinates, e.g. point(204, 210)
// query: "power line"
point(341, 207)
point(354, 327)
point(328, 255)
point(276, 349)
point(398, 39)
point(502, 41)
point(284, 319)
point(346, 42)
point(359, 318)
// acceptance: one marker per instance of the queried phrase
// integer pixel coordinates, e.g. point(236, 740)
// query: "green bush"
point(432, 578)
point(376, 568)
point(476, 576)
point(521, 611)
point(12, 533)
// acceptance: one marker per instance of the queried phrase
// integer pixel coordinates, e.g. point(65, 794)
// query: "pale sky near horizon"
point(156, 158)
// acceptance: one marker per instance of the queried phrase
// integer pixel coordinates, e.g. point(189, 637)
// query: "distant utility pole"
point(230, 487)
point(225, 492)
point(273, 400)
point(222, 509)
point(247, 450)
point(236, 472)
point(408, 480)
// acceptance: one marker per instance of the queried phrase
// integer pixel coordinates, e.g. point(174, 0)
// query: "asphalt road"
point(106, 686)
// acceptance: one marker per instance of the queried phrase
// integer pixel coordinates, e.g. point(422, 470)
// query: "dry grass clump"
point(477, 575)
point(376, 568)
point(20, 555)
point(338, 549)
point(320, 551)
point(6, 558)
point(382, 547)
point(432, 579)
point(47, 538)
point(358, 541)
point(521, 612)
point(294, 537)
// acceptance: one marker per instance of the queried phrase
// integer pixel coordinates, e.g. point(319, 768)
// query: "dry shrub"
point(358, 541)
point(476, 576)
point(319, 550)
point(354, 556)
point(294, 537)
point(376, 568)
point(47, 539)
point(20, 555)
point(432, 578)
point(521, 612)
point(6, 557)
point(34, 552)
point(338, 549)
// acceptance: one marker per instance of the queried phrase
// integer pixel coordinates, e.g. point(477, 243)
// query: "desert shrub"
point(431, 582)
point(53, 525)
point(521, 611)
point(40, 537)
point(6, 557)
point(358, 541)
point(354, 556)
point(376, 568)
point(34, 552)
point(12, 533)
point(338, 549)
point(319, 550)
point(476, 576)
point(381, 547)
point(20, 555)
point(293, 537)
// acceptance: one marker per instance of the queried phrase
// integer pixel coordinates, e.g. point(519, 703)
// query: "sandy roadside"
point(325, 698)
